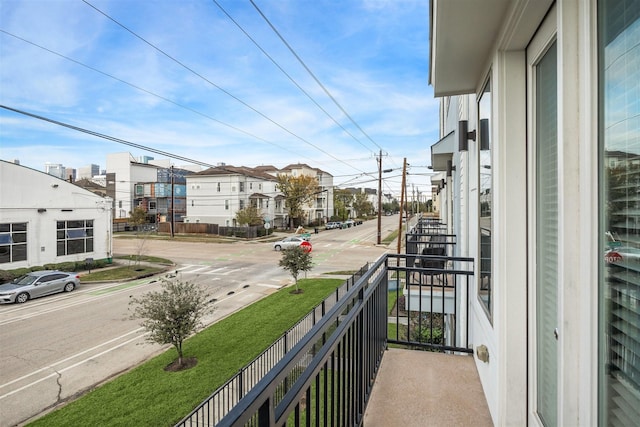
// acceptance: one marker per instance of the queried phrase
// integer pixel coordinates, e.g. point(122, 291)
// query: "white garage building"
point(44, 219)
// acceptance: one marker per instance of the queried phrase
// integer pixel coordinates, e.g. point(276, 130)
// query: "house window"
point(13, 242)
point(241, 204)
point(226, 205)
point(259, 186)
point(251, 186)
point(152, 205)
point(485, 200)
point(241, 186)
point(74, 237)
point(218, 187)
point(619, 269)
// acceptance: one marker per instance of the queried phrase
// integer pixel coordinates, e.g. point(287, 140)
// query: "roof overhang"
point(442, 152)
point(463, 34)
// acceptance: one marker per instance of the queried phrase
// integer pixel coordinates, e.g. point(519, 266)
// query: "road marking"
point(117, 288)
point(69, 304)
point(198, 269)
point(232, 271)
point(71, 358)
point(268, 286)
point(216, 270)
point(58, 372)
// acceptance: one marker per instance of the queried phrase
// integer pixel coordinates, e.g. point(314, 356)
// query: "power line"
point(313, 75)
point(287, 74)
point(215, 85)
point(235, 128)
point(109, 138)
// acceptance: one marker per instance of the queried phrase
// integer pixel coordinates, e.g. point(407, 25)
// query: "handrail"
point(259, 399)
point(237, 386)
point(327, 375)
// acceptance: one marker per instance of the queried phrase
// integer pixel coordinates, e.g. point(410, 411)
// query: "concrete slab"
point(418, 388)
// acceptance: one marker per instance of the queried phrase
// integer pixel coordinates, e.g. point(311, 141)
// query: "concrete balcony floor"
point(419, 388)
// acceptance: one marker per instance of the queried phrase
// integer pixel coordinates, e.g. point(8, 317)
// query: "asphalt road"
point(55, 348)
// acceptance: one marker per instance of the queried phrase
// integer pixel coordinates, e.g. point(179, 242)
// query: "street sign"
point(267, 225)
point(612, 257)
point(306, 246)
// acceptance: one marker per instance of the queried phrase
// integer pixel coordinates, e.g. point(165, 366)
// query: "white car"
point(290, 242)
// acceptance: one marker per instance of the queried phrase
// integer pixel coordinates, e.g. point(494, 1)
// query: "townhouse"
point(216, 194)
point(540, 176)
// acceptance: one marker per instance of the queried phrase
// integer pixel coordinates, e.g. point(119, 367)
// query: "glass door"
point(543, 198)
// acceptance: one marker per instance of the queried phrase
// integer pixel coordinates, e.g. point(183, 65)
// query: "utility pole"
point(173, 209)
point(404, 174)
point(379, 240)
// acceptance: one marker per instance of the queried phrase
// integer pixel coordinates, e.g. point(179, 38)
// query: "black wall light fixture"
point(450, 168)
point(484, 134)
point(464, 135)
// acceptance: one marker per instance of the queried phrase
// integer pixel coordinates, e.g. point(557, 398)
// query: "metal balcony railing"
point(322, 371)
point(221, 401)
point(327, 376)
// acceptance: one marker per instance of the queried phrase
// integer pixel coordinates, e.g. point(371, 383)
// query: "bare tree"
point(138, 217)
point(171, 314)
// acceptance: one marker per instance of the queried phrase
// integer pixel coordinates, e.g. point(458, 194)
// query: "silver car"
point(290, 242)
point(38, 284)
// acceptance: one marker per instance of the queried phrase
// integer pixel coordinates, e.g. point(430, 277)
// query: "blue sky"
point(199, 87)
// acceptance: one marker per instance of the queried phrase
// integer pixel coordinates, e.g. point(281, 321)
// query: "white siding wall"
point(24, 191)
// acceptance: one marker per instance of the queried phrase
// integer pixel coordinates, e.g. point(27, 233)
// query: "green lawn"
point(149, 396)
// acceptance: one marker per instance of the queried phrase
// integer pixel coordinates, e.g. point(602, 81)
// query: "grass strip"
point(150, 396)
point(119, 273)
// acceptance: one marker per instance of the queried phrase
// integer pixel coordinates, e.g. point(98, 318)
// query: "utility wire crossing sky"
point(242, 82)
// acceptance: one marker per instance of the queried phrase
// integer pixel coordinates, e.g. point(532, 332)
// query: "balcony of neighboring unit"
point(390, 348)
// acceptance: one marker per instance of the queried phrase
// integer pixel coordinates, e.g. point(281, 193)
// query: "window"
point(241, 184)
point(619, 275)
point(241, 204)
point(251, 186)
point(152, 205)
point(218, 187)
point(74, 237)
point(485, 181)
point(13, 242)
point(226, 205)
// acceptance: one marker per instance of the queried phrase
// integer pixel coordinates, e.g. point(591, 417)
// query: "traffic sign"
point(612, 257)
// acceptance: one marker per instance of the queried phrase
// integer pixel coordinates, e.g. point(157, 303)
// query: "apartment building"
point(540, 163)
point(215, 195)
point(155, 185)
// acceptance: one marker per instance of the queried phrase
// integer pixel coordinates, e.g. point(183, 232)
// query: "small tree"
point(249, 216)
point(171, 314)
point(137, 218)
point(298, 191)
point(295, 260)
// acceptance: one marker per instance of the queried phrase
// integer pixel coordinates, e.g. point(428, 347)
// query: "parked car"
point(333, 225)
point(38, 284)
point(292, 241)
point(348, 223)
